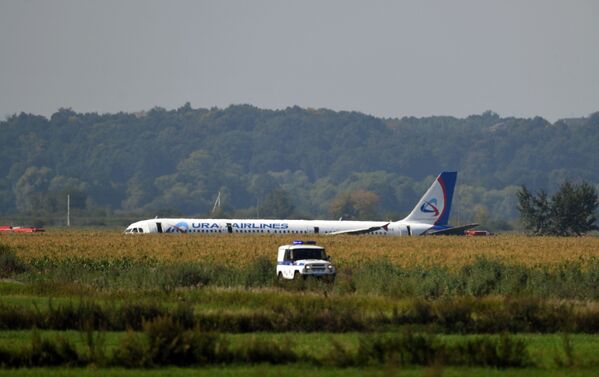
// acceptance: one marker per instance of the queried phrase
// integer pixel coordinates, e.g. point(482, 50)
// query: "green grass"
point(22, 338)
point(298, 370)
point(207, 298)
point(544, 349)
point(101, 287)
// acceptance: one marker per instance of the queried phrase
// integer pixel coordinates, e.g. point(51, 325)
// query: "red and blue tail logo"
point(430, 207)
point(434, 207)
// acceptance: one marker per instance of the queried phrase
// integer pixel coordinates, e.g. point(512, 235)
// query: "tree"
point(277, 205)
point(534, 211)
point(360, 204)
point(31, 188)
point(342, 207)
point(571, 211)
point(481, 214)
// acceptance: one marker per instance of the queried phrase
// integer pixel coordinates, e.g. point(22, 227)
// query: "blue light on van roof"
point(299, 242)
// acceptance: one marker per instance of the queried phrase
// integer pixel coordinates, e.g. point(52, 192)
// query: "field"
point(452, 252)
point(170, 304)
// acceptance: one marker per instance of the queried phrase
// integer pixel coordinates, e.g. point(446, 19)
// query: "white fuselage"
point(266, 226)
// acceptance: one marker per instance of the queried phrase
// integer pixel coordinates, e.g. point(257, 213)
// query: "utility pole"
point(68, 210)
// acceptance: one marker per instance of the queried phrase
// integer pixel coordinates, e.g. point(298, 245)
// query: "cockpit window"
point(140, 230)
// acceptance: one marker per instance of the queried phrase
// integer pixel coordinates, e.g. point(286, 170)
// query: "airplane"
point(429, 217)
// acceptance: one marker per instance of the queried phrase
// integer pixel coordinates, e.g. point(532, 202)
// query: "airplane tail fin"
point(434, 207)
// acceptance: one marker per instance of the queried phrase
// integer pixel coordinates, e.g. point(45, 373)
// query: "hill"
point(294, 162)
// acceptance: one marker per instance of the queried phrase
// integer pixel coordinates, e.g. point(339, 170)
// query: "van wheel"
point(296, 275)
point(280, 277)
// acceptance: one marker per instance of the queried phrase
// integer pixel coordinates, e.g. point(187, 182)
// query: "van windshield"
point(298, 254)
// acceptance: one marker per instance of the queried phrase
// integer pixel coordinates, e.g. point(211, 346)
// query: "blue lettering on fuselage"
point(205, 225)
point(259, 225)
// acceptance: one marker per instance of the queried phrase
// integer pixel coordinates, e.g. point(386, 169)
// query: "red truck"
point(476, 232)
point(19, 229)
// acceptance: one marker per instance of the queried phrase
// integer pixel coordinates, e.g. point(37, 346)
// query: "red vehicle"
point(18, 229)
point(477, 232)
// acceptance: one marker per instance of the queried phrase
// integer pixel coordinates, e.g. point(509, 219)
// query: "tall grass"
point(164, 341)
point(305, 314)
point(483, 277)
point(10, 263)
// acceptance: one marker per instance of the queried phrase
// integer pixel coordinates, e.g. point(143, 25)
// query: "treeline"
point(288, 163)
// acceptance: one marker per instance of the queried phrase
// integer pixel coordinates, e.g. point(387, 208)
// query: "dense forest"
point(300, 163)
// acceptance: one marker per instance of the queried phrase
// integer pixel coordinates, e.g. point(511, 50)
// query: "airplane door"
point(229, 228)
point(159, 227)
point(409, 230)
point(316, 230)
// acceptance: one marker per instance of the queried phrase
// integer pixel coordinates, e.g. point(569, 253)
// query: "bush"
point(170, 344)
point(406, 348)
point(502, 352)
point(482, 278)
point(46, 352)
point(132, 352)
point(266, 351)
point(339, 356)
point(10, 264)
point(260, 273)
point(184, 275)
point(42, 352)
point(134, 315)
point(84, 314)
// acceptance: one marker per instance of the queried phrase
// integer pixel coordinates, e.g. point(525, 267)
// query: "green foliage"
point(10, 264)
point(458, 315)
point(266, 351)
point(177, 161)
point(482, 277)
point(260, 272)
point(164, 343)
point(355, 205)
point(407, 348)
point(184, 275)
point(169, 343)
point(132, 352)
point(276, 205)
point(410, 348)
point(42, 352)
point(502, 352)
point(571, 211)
point(45, 352)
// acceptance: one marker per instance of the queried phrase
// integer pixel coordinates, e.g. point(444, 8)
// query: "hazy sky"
point(386, 58)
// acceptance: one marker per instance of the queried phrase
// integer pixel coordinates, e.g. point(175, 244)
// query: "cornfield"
point(240, 250)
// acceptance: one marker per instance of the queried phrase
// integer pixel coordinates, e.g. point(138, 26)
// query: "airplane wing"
point(452, 231)
point(361, 230)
